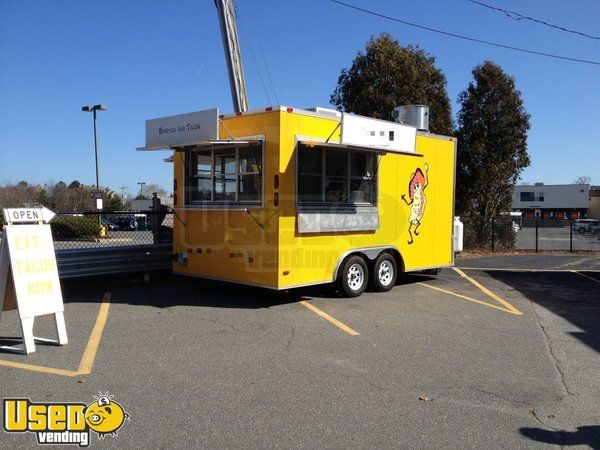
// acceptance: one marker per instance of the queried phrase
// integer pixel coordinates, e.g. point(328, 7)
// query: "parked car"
point(125, 224)
point(596, 231)
point(110, 225)
point(141, 222)
point(585, 225)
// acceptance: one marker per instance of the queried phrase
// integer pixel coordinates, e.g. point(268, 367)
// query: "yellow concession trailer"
point(283, 197)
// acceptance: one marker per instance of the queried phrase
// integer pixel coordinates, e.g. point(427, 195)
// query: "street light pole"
point(97, 196)
point(93, 109)
point(96, 151)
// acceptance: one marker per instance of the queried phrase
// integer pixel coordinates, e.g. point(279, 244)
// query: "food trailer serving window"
point(336, 176)
point(337, 187)
point(224, 175)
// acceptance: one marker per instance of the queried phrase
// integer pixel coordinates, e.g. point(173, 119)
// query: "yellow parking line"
point(327, 317)
point(501, 269)
point(34, 368)
point(489, 293)
point(479, 302)
point(585, 276)
point(577, 261)
point(89, 354)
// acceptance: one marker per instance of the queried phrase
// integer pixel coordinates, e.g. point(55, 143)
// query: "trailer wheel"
point(353, 277)
point(385, 272)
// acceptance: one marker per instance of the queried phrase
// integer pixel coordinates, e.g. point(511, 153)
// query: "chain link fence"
point(548, 234)
point(131, 228)
point(116, 229)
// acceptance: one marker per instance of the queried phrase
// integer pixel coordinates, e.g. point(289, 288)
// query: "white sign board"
point(28, 262)
point(34, 271)
point(23, 215)
point(181, 129)
point(367, 132)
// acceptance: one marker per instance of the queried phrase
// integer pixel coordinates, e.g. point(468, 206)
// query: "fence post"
point(571, 236)
point(537, 221)
point(493, 234)
point(155, 213)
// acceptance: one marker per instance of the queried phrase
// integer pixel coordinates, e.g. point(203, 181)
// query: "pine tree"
point(492, 149)
point(387, 75)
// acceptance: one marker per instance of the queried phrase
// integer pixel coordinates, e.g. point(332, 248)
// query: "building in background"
point(552, 201)
point(146, 204)
point(594, 208)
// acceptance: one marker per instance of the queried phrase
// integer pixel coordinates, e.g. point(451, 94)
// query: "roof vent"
point(412, 115)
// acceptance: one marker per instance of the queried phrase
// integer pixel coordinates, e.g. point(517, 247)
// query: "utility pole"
point(123, 192)
point(231, 45)
point(142, 184)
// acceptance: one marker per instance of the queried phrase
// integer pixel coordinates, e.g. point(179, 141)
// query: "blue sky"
point(147, 59)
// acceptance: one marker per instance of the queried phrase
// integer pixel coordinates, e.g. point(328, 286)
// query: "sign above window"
point(182, 129)
point(367, 132)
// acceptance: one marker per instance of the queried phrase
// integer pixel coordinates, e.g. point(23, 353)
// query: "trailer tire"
point(354, 277)
point(385, 273)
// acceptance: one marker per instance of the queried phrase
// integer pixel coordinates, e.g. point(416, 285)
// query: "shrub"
point(504, 235)
point(477, 237)
point(73, 227)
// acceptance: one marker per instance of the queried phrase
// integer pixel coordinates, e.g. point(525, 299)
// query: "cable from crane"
point(262, 53)
point(245, 36)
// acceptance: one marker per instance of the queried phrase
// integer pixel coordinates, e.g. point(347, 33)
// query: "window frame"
point(530, 198)
point(348, 204)
point(191, 173)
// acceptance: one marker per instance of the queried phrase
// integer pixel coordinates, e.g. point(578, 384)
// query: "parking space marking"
point(464, 297)
point(89, 354)
point(34, 368)
point(489, 293)
point(506, 307)
point(585, 276)
point(503, 269)
point(327, 317)
point(577, 261)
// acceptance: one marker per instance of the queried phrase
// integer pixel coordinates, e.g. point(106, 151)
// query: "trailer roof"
point(322, 113)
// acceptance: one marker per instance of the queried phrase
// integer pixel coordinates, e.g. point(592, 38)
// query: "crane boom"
point(231, 45)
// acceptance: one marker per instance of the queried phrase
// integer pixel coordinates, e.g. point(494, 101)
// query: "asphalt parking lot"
point(501, 353)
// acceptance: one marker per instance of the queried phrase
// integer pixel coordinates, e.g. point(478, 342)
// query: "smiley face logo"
point(105, 416)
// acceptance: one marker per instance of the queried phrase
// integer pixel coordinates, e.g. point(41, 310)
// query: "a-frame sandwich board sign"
point(28, 269)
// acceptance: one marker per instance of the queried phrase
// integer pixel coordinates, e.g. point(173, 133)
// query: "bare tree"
point(583, 180)
point(18, 195)
point(150, 188)
point(75, 197)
